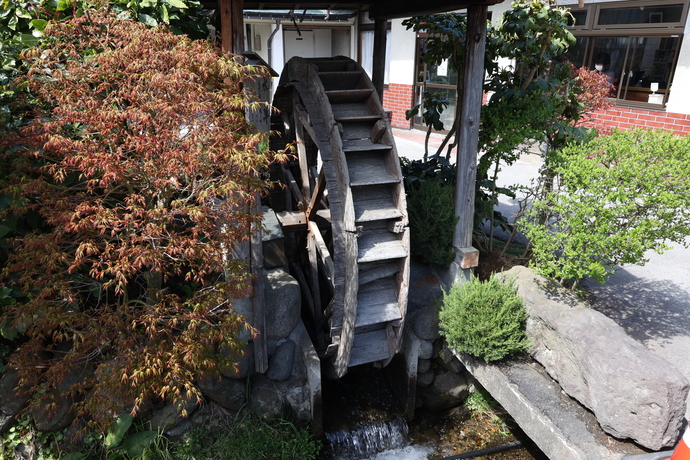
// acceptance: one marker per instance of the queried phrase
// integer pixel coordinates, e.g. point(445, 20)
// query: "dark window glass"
point(579, 18)
point(641, 15)
point(639, 67)
point(576, 53)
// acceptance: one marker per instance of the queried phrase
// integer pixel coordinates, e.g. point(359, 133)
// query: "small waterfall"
point(367, 440)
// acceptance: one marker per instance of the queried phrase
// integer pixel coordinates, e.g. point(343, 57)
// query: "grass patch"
point(249, 438)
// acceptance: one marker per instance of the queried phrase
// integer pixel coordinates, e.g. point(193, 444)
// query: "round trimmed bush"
point(485, 319)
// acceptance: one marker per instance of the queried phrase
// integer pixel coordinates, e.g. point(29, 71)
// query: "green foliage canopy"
point(615, 198)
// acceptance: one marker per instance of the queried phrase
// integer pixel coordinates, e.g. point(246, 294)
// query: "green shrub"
point(431, 208)
point(616, 197)
point(484, 319)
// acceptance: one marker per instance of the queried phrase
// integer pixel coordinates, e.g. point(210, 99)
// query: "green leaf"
point(164, 14)
point(176, 3)
point(64, 5)
point(39, 24)
point(148, 20)
point(9, 332)
point(135, 444)
point(29, 39)
point(74, 456)
point(114, 437)
point(4, 230)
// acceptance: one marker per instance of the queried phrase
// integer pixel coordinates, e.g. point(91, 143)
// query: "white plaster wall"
point(322, 42)
point(341, 42)
point(402, 54)
point(496, 17)
point(679, 99)
point(497, 11)
point(277, 57)
point(262, 31)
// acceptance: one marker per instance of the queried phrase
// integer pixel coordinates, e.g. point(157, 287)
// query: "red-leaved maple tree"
point(142, 167)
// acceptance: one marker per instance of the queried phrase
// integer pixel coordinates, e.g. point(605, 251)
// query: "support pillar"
point(467, 257)
point(232, 25)
point(379, 58)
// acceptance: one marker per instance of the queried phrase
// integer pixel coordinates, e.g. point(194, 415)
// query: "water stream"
point(362, 421)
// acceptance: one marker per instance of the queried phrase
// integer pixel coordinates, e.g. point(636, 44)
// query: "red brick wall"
point(627, 118)
point(397, 99)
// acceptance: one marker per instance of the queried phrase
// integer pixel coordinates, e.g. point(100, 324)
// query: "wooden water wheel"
point(348, 187)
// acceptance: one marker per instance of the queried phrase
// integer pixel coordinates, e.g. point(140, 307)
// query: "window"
point(435, 78)
point(635, 43)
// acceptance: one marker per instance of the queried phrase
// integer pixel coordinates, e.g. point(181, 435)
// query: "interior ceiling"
point(382, 9)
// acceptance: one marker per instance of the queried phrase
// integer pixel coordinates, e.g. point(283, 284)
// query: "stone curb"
point(557, 424)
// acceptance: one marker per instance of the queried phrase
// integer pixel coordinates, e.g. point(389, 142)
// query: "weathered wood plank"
point(292, 221)
point(366, 168)
point(378, 131)
point(354, 118)
point(301, 114)
point(357, 131)
point(349, 95)
point(349, 311)
point(341, 80)
point(259, 320)
point(302, 158)
point(314, 275)
point(375, 271)
point(374, 203)
point(379, 57)
point(363, 145)
point(345, 111)
point(332, 65)
point(368, 210)
point(380, 246)
point(317, 196)
point(370, 347)
point(469, 126)
point(377, 304)
point(294, 189)
point(231, 26)
point(322, 250)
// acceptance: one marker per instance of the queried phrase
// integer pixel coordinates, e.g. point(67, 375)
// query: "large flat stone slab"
point(561, 427)
point(634, 393)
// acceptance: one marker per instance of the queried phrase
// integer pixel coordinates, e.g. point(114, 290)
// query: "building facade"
point(642, 46)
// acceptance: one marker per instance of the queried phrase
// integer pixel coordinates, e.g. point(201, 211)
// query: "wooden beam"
point(316, 197)
point(260, 343)
point(323, 251)
point(302, 157)
point(292, 221)
point(294, 188)
point(393, 9)
point(469, 126)
point(379, 58)
point(231, 25)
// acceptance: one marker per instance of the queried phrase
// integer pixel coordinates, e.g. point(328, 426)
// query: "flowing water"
point(361, 421)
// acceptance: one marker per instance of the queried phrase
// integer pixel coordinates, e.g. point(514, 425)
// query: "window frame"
point(591, 31)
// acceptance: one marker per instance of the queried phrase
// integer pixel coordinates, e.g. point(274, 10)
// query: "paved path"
point(652, 302)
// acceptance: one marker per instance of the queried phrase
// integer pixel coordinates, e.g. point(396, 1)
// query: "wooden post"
point(379, 58)
point(469, 136)
point(232, 25)
point(259, 320)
